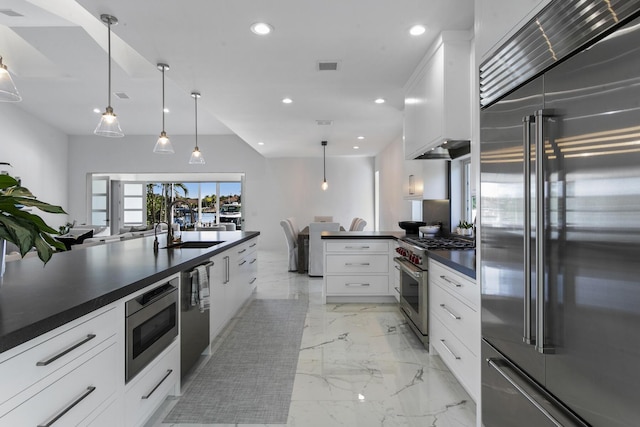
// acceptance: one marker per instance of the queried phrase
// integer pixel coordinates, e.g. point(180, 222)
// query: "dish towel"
point(203, 288)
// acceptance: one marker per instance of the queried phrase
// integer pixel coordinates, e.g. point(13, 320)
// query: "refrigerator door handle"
point(526, 138)
point(492, 362)
point(542, 117)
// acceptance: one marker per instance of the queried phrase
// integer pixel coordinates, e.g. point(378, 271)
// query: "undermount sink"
point(195, 244)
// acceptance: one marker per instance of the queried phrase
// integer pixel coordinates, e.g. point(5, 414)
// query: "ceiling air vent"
point(324, 122)
point(327, 66)
point(10, 12)
point(121, 95)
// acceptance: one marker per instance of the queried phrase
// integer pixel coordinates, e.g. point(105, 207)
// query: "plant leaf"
point(20, 234)
point(44, 251)
point(7, 181)
point(43, 206)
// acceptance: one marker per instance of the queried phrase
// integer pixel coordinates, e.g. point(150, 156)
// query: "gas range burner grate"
point(440, 243)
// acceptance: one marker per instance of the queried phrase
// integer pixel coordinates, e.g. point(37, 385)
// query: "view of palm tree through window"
point(194, 203)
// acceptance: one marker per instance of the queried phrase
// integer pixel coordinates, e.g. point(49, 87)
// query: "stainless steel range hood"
point(449, 150)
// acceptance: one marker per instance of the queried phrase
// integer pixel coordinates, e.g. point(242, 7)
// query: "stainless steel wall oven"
point(151, 324)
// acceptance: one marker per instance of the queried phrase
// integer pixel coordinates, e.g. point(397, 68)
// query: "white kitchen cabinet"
point(454, 323)
point(438, 95)
point(145, 393)
point(74, 363)
point(233, 278)
point(73, 398)
point(358, 270)
point(425, 179)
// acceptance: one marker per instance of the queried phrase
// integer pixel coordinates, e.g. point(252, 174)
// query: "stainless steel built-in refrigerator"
point(560, 217)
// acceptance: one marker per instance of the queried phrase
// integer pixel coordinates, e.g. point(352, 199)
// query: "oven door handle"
point(409, 268)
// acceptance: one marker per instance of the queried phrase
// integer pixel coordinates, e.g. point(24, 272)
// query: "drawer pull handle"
point(66, 351)
point(253, 280)
point(146, 396)
point(444, 307)
point(357, 284)
point(242, 251)
point(449, 350)
point(457, 285)
point(397, 289)
point(356, 247)
point(60, 414)
point(357, 263)
point(243, 262)
point(252, 245)
point(253, 260)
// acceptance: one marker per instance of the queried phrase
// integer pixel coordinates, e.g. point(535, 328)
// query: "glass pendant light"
point(196, 157)
point(109, 125)
point(324, 185)
point(8, 90)
point(163, 145)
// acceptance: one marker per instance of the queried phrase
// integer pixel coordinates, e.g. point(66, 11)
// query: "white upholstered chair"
point(316, 258)
point(360, 224)
point(291, 245)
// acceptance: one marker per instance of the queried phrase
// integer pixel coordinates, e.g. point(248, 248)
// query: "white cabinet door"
point(438, 96)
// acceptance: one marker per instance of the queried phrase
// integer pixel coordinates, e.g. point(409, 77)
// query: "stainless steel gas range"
point(412, 261)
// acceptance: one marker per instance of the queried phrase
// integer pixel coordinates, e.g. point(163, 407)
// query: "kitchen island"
point(68, 335)
point(358, 266)
point(35, 299)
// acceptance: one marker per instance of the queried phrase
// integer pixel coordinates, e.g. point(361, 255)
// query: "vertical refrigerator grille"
point(559, 30)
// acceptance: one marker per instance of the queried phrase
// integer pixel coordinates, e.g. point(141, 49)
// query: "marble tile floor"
point(359, 365)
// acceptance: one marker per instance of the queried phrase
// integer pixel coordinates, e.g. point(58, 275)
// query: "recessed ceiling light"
point(260, 143)
point(287, 101)
point(417, 30)
point(361, 137)
point(379, 101)
point(97, 110)
point(261, 28)
point(355, 147)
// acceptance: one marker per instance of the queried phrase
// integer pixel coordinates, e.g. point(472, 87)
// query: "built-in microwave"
point(151, 325)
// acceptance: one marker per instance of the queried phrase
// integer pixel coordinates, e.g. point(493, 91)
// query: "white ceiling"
point(57, 54)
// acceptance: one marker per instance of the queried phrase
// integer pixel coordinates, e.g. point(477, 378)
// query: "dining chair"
point(316, 256)
point(294, 227)
point(354, 221)
point(359, 225)
point(291, 245)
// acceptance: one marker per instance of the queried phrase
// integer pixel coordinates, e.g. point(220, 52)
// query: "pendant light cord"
point(324, 162)
point(163, 67)
point(196, 98)
point(109, 49)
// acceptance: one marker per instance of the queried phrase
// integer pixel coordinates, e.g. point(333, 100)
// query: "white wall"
point(38, 154)
point(274, 188)
point(393, 206)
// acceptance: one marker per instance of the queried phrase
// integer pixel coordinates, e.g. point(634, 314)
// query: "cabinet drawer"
point(82, 391)
point(143, 396)
point(357, 246)
point(357, 285)
point(369, 263)
point(462, 363)
point(463, 321)
point(46, 357)
point(462, 286)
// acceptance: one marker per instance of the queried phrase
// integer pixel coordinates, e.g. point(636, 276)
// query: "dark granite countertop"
point(362, 234)
point(35, 299)
point(463, 261)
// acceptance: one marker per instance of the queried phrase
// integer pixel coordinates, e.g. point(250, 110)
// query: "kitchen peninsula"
point(62, 326)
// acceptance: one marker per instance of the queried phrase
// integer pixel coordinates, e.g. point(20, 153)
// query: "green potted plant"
point(464, 228)
point(22, 228)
